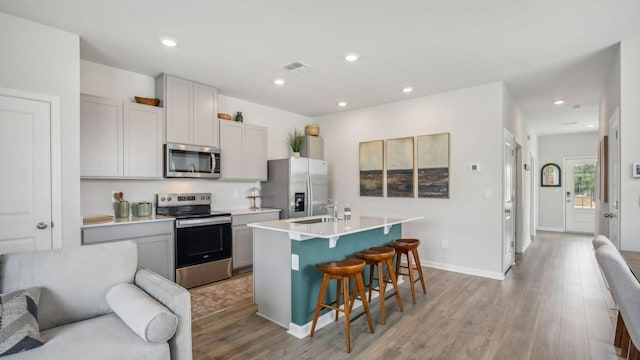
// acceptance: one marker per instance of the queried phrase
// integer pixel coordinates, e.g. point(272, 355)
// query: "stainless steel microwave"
point(189, 161)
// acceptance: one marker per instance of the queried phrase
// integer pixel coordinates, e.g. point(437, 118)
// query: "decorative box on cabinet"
point(242, 247)
point(190, 111)
point(120, 139)
point(243, 151)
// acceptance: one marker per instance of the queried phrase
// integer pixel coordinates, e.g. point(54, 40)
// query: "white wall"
point(471, 223)
point(106, 81)
point(553, 149)
point(609, 101)
point(629, 144)
point(44, 60)
point(515, 122)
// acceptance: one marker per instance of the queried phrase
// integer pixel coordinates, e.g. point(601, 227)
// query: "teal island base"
point(286, 281)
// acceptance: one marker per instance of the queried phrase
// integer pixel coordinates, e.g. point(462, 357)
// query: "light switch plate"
point(295, 262)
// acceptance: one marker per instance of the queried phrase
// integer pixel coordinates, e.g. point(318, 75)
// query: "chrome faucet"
point(333, 205)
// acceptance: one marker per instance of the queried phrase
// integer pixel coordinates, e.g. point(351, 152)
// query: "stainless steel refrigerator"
point(298, 186)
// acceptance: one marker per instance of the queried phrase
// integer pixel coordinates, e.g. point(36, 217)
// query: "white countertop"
point(129, 220)
point(249, 211)
point(330, 229)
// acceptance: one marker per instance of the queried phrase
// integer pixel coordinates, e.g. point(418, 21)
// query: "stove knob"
point(207, 197)
point(162, 199)
point(169, 198)
point(201, 197)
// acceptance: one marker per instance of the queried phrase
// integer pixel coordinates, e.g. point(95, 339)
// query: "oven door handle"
point(220, 220)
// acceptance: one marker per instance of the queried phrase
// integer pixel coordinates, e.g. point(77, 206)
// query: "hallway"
point(552, 305)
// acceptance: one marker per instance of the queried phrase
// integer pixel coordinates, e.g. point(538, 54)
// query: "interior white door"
point(509, 229)
point(579, 188)
point(614, 178)
point(25, 149)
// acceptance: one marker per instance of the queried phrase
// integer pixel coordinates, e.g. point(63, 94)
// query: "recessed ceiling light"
point(558, 102)
point(351, 57)
point(590, 125)
point(279, 81)
point(342, 103)
point(407, 89)
point(168, 42)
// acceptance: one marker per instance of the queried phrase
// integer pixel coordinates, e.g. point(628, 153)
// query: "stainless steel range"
point(203, 238)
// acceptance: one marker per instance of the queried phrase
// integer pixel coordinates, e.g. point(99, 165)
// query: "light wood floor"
point(552, 305)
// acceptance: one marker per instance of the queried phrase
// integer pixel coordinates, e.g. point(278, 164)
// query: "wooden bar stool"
point(342, 271)
point(404, 246)
point(378, 257)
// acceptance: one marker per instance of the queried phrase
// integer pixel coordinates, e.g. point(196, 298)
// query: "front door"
point(25, 157)
point(509, 230)
point(579, 187)
point(614, 178)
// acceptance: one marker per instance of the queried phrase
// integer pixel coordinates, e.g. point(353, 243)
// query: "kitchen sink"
point(312, 221)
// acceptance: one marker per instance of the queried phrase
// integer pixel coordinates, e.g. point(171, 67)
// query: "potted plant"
point(296, 138)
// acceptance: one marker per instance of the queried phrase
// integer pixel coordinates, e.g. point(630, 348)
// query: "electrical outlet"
point(295, 262)
point(444, 243)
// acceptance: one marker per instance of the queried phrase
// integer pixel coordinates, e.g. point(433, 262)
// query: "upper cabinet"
point(120, 139)
point(101, 137)
point(190, 111)
point(243, 151)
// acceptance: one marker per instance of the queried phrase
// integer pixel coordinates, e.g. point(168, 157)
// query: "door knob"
point(42, 225)
point(609, 215)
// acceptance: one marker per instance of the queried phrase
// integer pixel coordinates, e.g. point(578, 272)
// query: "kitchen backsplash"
point(95, 195)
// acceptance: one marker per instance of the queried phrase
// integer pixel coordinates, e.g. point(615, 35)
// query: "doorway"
point(29, 147)
point(614, 178)
point(508, 197)
point(579, 190)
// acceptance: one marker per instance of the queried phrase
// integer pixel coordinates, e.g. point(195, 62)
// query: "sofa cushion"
point(144, 315)
point(74, 281)
point(102, 338)
point(19, 330)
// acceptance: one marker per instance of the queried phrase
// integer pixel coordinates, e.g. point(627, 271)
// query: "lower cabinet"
point(242, 248)
point(155, 243)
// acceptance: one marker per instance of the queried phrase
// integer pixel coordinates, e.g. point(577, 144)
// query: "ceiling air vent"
point(297, 67)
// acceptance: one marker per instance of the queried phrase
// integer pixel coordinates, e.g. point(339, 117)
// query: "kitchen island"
point(286, 281)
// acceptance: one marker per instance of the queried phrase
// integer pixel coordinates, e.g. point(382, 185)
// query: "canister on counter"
point(122, 209)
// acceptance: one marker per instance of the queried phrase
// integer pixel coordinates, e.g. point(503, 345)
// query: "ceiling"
point(542, 49)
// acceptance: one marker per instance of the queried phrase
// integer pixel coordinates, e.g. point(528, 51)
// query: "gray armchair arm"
point(178, 300)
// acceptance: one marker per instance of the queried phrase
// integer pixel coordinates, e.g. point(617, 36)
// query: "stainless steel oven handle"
point(219, 220)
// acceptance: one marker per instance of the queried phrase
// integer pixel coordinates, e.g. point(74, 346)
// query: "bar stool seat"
point(378, 257)
point(406, 246)
point(342, 271)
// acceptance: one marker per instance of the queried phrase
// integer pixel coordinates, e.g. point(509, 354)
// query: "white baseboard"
point(465, 270)
point(544, 228)
point(526, 245)
point(302, 331)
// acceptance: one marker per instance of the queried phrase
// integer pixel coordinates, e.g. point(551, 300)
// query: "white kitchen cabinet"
point(243, 151)
point(155, 242)
point(190, 111)
point(242, 248)
point(312, 147)
point(120, 139)
point(231, 149)
point(101, 137)
point(143, 140)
